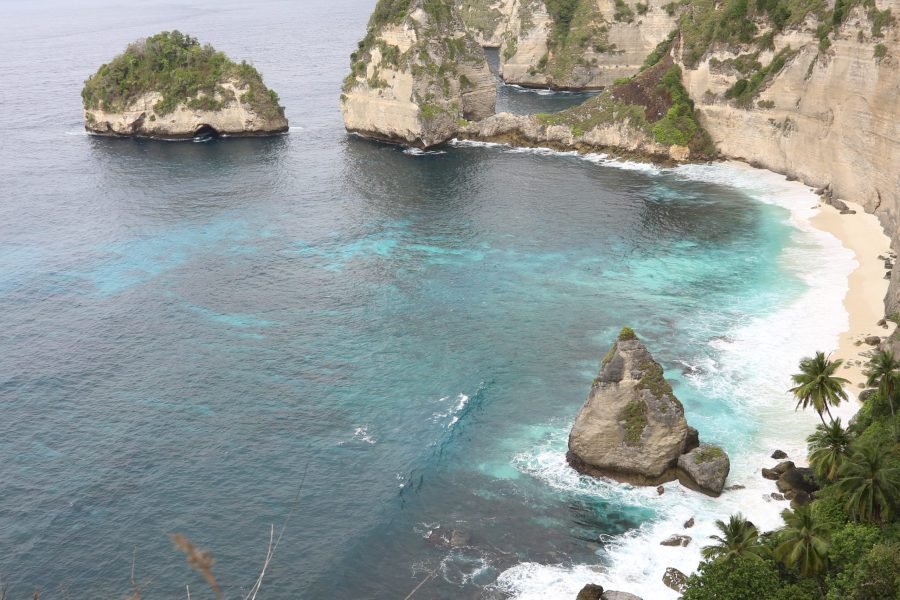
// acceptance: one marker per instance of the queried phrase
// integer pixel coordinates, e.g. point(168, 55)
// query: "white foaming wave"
point(452, 412)
point(412, 151)
point(533, 581)
point(752, 368)
point(456, 142)
point(362, 434)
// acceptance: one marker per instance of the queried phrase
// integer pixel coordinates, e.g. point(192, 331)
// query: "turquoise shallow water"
point(188, 328)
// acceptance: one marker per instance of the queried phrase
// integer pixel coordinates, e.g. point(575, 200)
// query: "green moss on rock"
point(635, 417)
point(708, 454)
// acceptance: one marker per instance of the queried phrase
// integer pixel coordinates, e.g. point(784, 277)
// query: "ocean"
point(380, 349)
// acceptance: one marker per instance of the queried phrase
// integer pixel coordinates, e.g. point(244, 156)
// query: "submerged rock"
point(689, 523)
point(779, 455)
point(675, 579)
point(632, 427)
point(416, 76)
point(169, 86)
point(704, 469)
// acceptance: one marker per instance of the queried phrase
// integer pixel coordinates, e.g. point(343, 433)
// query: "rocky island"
point(632, 427)
point(170, 86)
point(416, 76)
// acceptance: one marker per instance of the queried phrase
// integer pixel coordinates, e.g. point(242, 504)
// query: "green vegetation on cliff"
point(654, 101)
point(845, 543)
point(754, 22)
point(176, 66)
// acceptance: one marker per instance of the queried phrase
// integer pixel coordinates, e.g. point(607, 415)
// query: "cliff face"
point(486, 20)
point(830, 116)
point(589, 48)
point(237, 117)
point(416, 76)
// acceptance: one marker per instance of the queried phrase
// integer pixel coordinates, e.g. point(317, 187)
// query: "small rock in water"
point(676, 540)
point(675, 579)
point(848, 212)
point(689, 523)
point(779, 454)
point(591, 591)
point(734, 487)
point(660, 490)
point(777, 496)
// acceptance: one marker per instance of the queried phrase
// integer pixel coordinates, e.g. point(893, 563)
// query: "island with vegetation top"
point(170, 86)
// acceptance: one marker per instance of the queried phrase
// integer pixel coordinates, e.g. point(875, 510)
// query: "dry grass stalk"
point(198, 559)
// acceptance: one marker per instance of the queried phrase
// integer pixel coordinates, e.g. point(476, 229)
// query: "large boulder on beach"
point(675, 579)
point(632, 427)
point(705, 469)
point(170, 86)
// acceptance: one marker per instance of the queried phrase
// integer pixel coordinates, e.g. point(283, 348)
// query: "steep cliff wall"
point(588, 46)
point(486, 20)
point(416, 75)
point(829, 116)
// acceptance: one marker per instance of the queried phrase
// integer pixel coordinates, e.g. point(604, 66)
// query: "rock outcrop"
point(632, 427)
point(646, 117)
point(200, 92)
point(587, 47)
point(704, 468)
point(416, 76)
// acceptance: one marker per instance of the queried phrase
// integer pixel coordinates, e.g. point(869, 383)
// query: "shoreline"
point(862, 234)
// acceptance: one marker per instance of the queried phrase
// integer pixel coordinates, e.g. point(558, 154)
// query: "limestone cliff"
point(822, 107)
point(649, 116)
point(237, 117)
point(632, 427)
point(169, 86)
point(416, 75)
point(586, 44)
point(486, 20)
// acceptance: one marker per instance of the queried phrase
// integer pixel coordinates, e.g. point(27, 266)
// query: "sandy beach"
point(863, 235)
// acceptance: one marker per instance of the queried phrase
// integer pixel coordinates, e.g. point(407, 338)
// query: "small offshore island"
point(169, 86)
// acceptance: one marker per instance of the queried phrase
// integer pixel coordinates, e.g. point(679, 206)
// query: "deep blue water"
point(186, 329)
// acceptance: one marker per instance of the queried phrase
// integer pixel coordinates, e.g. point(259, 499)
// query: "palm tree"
point(884, 372)
point(870, 483)
point(804, 542)
point(739, 538)
point(828, 447)
point(817, 385)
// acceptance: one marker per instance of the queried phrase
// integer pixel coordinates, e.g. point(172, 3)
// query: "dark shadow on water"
point(156, 175)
